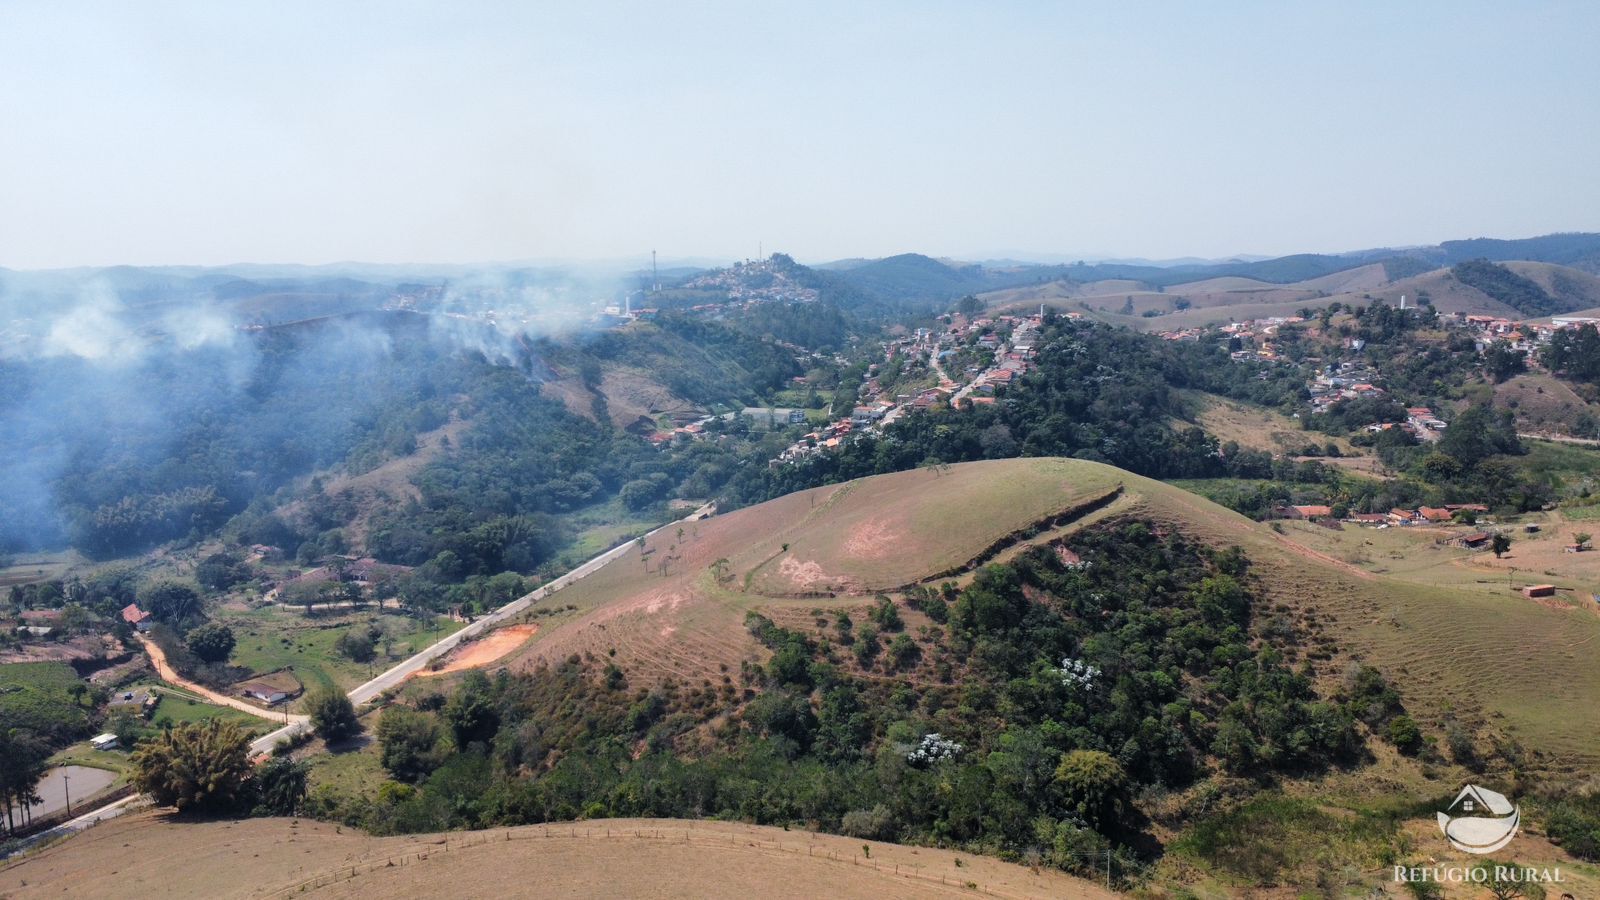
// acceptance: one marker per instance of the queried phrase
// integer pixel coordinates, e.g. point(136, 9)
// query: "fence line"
point(468, 840)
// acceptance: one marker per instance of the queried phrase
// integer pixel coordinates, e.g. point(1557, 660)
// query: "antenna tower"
point(655, 278)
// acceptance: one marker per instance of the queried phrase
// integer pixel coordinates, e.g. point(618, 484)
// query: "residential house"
point(137, 617)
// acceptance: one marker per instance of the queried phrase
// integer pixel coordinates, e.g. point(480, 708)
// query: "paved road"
point(90, 818)
point(393, 677)
point(372, 688)
point(972, 385)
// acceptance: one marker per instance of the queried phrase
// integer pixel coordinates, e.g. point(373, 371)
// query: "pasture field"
point(82, 754)
point(1573, 465)
point(1254, 426)
point(272, 637)
point(602, 527)
point(349, 773)
point(38, 696)
point(144, 854)
point(175, 709)
point(29, 568)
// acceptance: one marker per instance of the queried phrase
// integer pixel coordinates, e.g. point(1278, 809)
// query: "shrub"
point(212, 642)
point(333, 716)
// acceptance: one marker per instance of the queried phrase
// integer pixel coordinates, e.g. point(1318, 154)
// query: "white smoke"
point(94, 329)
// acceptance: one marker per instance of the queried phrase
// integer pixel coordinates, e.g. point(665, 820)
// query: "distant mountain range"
point(888, 286)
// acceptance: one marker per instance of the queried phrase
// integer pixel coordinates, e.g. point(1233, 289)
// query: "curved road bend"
point(392, 678)
point(170, 675)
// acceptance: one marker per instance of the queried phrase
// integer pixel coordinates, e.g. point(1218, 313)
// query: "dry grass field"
point(1451, 629)
point(676, 607)
point(1440, 621)
point(1216, 301)
point(145, 855)
point(1255, 426)
point(1543, 404)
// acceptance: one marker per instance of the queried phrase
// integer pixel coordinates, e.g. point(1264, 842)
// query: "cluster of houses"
point(1013, 356)
point(1255, 337)
point(1420, 422)
point(760, 280)
point(1524, 337)
point(1346, 380)
point(1397, 517)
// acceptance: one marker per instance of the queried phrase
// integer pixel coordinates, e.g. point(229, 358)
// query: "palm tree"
point(195, 766)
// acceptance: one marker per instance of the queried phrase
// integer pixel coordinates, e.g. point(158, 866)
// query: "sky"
point(215, 133)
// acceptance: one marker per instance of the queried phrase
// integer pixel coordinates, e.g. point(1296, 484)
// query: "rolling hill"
point(677, 609)
point(1152, 306)
point(150, 855)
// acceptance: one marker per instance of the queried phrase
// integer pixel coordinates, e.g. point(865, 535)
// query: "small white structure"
point(107, 741)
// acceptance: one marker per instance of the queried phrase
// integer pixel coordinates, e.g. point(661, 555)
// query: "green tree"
point(410, 743)
point(173, 602)
point(212, 642)
point(23, 761)
point(471, 717)
point(195, 766)
point(221, 571)
point(358, 645)
point(1093, 787)
point(1404, 734)
point(333, 715)
point(280, 787)
point(1500, 544)
point(1502, 362)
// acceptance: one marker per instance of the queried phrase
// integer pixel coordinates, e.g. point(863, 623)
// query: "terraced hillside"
point(676, 607)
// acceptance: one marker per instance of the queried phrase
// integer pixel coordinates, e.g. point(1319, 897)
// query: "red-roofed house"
point(137, 617)
point(1434, 513)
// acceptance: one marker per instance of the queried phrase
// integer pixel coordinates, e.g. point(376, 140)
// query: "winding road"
point(158, 658)
point(361, 694)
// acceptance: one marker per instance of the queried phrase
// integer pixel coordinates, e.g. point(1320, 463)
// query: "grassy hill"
point(148, 855)
point(671, 610)
point(676, 611)
point(1514, 289)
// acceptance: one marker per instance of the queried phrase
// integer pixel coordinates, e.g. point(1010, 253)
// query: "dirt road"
point(394, 677)
point(169, 675)
point(1560, 439)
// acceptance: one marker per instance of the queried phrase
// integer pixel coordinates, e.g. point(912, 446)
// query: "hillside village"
point(1003, 344)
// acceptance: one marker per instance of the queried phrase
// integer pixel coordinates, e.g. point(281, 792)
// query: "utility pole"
point(66, 788)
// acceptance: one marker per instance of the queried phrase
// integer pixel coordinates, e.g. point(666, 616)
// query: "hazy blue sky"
point(460, 132)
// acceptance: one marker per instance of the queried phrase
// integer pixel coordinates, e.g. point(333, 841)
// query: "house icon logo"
point(1480, 820)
